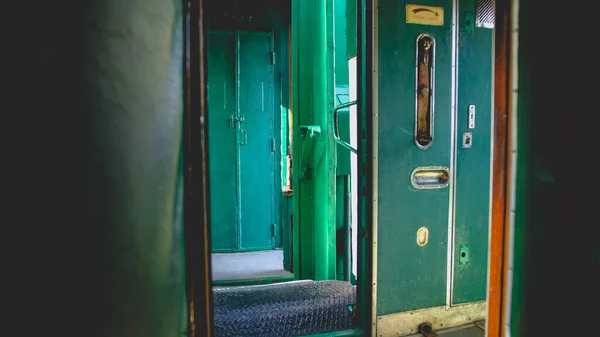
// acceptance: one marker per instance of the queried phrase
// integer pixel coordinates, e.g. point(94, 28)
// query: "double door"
point(241, 141)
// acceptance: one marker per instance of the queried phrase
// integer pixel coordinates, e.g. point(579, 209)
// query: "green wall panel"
point(472, 200)
point(410, 276)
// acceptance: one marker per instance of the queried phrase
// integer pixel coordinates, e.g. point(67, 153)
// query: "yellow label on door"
point(425, 15)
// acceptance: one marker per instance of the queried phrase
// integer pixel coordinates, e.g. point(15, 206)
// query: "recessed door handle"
point(429, 177)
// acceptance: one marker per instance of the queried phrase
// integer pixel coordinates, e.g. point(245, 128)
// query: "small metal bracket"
point(471, 116)
point(310, 133)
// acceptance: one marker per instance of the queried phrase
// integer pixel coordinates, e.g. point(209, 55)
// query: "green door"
point(432, 189)
point(241, 141)
point(412, 275)
point(257, 142)
point(222, 109)
point(473, 160)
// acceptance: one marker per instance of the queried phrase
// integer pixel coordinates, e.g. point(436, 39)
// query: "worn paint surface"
point(409, 276)
point(406, 323)
point(417, 275)
point(472, 200)
point(498, 226)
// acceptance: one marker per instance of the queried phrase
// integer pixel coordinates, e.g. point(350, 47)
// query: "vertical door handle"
point(424, 94)
point(244, 140)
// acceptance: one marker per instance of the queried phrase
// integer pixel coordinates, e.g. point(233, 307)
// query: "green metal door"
point(222, 111)
point(412, 275)
point(432, 142)
point(257, 141)
point(241, 141)
point(473, 160)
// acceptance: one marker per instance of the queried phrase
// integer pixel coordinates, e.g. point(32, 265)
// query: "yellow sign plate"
point(425, 15)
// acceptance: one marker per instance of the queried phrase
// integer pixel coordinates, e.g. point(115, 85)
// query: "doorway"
point(242, 141)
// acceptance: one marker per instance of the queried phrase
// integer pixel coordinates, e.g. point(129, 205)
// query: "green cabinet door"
point(222, 108)
point(256, 141)
point(409, 275)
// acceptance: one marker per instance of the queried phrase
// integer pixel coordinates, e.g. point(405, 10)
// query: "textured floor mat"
point(284, 309)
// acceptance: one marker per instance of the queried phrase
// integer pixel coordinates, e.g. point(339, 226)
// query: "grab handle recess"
point(430, 177)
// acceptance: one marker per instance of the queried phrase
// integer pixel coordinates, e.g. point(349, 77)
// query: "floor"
point(469, 330)
point(248, 265)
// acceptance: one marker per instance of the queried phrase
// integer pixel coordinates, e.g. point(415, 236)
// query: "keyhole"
point(463, 254)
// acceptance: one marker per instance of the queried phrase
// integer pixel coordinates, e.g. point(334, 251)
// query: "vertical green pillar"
point(314, 205)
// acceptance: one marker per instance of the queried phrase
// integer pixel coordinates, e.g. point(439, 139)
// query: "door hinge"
point(272, 55)
point(274, 229)
point(272, 144)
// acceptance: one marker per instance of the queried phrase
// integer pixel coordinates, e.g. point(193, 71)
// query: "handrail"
point(336, 134)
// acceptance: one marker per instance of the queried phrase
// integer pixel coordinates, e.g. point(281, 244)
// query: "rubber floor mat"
point(284, 309)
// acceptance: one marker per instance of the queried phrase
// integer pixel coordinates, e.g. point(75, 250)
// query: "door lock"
point(467, 140)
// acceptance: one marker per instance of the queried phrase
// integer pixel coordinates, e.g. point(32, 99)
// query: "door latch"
point(232, 121)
